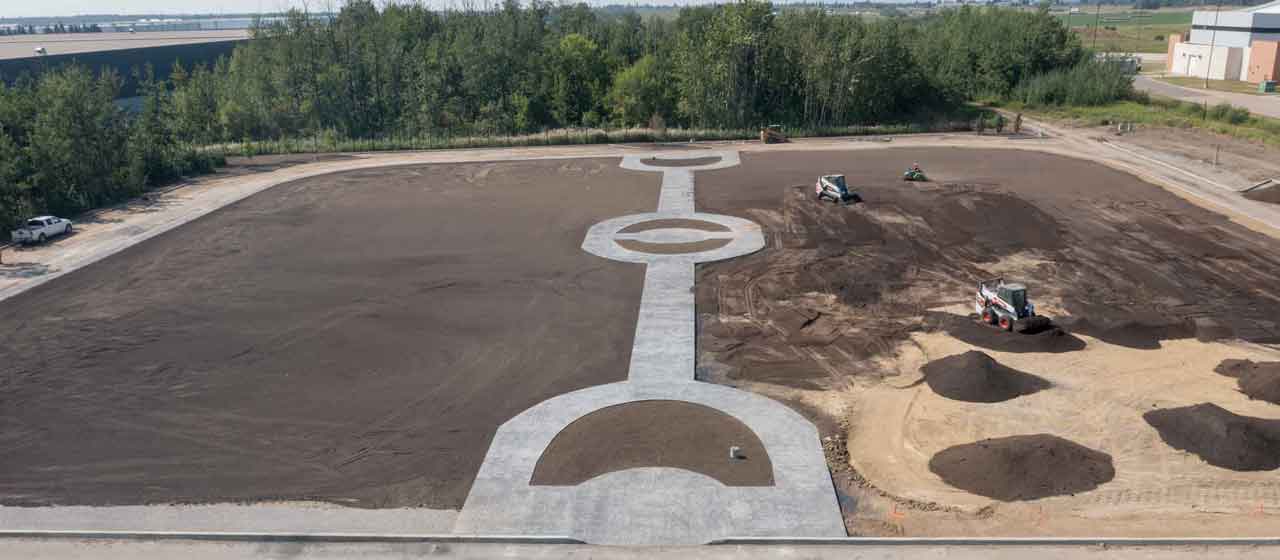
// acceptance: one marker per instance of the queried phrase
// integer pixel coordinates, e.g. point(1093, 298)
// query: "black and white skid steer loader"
point(1006, 304)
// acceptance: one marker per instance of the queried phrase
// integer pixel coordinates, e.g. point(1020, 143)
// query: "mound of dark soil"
point(972, 331)
point(1258, 380)
point(1023, 467)
point(976, 377)
point(1220, 437)
point(1133, 333)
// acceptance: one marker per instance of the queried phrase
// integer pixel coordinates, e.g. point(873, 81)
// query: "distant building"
point(1229, 45)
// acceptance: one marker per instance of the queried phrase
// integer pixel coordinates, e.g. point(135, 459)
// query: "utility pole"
point(1213, 38)
point(1097, 17)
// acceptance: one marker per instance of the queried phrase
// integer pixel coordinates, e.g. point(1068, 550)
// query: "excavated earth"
point(1105, 254)
point(829, 308)
point(975, 377)
point(1258, 380)
point(355, 338)
point(1024, 467)
point(1220, 437)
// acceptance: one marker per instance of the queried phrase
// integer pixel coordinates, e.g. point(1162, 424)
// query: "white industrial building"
point(1236, 28)
point(1229, 45)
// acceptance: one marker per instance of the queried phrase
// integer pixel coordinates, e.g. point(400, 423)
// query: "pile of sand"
point(1221, 438)
point(1258, 380)
point(976, 377)
point(1023, 467)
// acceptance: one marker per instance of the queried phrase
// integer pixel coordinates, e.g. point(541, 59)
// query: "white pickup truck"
point(40, 228)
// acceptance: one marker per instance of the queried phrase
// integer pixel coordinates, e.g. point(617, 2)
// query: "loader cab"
point(1015, 295)
point(835, 189)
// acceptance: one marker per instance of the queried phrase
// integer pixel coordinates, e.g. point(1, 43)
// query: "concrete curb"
point(1000, 541)
point(287, 537)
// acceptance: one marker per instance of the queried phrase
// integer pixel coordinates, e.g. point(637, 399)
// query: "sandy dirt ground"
point(847, 303)
point(354, 338)
point(1240, 163)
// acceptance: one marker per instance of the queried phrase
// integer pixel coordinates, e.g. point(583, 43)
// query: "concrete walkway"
point(659, 505)
point(874, 549)
point(1265, 105)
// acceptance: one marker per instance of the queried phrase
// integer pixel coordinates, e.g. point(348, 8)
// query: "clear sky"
point(58, 8)
point(51, 8)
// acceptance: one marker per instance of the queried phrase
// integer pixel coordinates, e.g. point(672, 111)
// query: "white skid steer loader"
point(1006, 304)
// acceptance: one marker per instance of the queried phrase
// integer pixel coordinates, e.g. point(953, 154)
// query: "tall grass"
point(1090, 82)
point(329, 141)
point(1158, 111)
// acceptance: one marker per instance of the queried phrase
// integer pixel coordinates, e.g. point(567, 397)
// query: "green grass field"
point(1129, 18)
point(1218, 85)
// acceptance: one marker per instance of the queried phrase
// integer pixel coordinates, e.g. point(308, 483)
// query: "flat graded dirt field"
point(354, 338)
point(860, 317)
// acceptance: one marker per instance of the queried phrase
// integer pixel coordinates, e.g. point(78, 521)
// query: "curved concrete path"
point(659, 505)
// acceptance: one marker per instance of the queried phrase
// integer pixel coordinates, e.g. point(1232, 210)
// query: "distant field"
point(1138, 39)
point(1129, 18)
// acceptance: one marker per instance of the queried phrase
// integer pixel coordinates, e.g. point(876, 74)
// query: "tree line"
point(66, 146)
point(405, 70)
point(56, 28)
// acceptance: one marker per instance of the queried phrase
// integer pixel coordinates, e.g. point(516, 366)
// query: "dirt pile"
point(1220, 437)
point(972, 331)
point(1024, 467)
point(1258, 380)
point(976, 377)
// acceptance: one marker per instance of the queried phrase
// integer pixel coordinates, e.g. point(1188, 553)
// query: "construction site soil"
point(1024, 467)
point(1258, 380)
point(846, 304)
point(1220, 437)
point(355, 338)
point(1103, 252)
point(655, 434)
point(975, 377)
point(692, 162)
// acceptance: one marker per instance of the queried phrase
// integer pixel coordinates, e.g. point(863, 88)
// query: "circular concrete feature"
point(681, 162)
point(1024, 467)
point(655, 433)
point(1220, 437)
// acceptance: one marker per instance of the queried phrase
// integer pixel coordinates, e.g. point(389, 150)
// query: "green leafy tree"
point(578, 79)
point(642, 91)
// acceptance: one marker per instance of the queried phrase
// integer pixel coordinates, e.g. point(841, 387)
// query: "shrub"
point(1091, 82)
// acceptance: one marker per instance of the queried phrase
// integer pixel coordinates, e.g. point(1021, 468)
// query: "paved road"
point(1257, 104)
point(22, 46)
point(210, 550)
